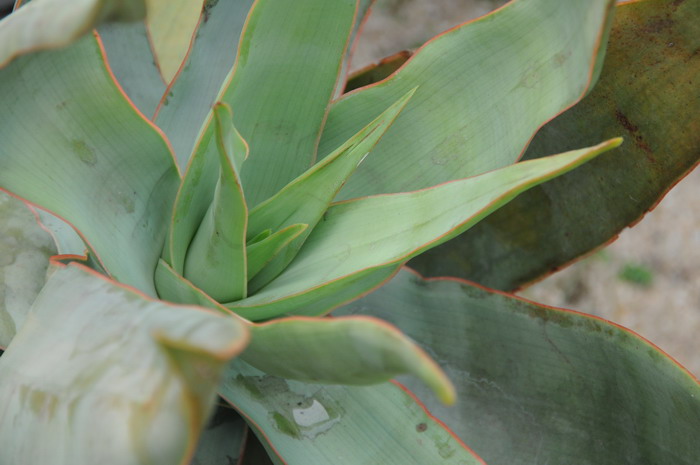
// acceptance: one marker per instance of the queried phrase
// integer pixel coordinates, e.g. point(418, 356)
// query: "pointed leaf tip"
point(350, 350)
point(308, 197)
point(230, 141)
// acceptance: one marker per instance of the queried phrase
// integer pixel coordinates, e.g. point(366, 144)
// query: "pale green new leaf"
point(364, 235)
point(289, 60)
point(24, 255)
point(47, 24)
point(351, 351)
point(174, 288)
point(193, 199)
point(87, 156)
point(260, 252)
point(304, 200)
point(312, 424)
point(101, 374)
point(486, 87)
point(171, 25)
point(216, 258)
point(540, 385)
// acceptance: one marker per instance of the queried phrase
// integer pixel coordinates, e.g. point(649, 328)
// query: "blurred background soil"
point(648, 280)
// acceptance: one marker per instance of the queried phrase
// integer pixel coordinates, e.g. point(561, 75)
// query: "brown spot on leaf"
point(625, 122)
point(633, 129)
point(677, 3)
point(659, 25)
point(421, 427)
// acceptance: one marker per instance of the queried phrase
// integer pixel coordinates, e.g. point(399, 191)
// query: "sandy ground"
point(649, 279)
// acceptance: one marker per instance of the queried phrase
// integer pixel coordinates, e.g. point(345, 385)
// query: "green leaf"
point(186, 104)
point(311, 424)
point(543, 385)
point(485, 88)
point(296, 49)
point(131, 60)
point(223, 441)
point(198, 188)
point(216, 258)
point(359, 236)
point(304, 200)
point(174, 288)
point(193, 198)
point(100, 374)
point(352, 351)
point(171, 25)
point(47, 24)
point(24, 256)
point(647, 92)
point(260, 237)
point(316, 301)
point(264, 247)
point(87, 156)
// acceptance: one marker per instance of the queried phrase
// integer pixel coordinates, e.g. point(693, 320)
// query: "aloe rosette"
point(213, 194)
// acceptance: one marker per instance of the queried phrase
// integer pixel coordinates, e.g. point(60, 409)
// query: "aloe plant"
point(214, 193)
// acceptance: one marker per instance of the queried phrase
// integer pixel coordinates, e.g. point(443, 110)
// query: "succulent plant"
point(215, 188)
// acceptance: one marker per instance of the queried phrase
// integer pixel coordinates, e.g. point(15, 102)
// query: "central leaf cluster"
point(230, 252)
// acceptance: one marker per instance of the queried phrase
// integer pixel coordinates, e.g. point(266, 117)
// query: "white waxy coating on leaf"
point(25, 249)
point(45, 24)
point(100, 374)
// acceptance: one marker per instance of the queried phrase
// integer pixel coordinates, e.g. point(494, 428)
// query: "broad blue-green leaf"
point(171, 25)
point(311, 424)
point(336, 351)
point(351, 351)
point(367, 234)
point(306, 199)
point(541, 385)
point(260, 252)
point(288, 64)
point(76, 147)
point(101, 374)
point(188, 101)
point(486, 87)
point(649, 92)
point(216, 258)
point(131, 60)
point(24, 255)
point(47, 24)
